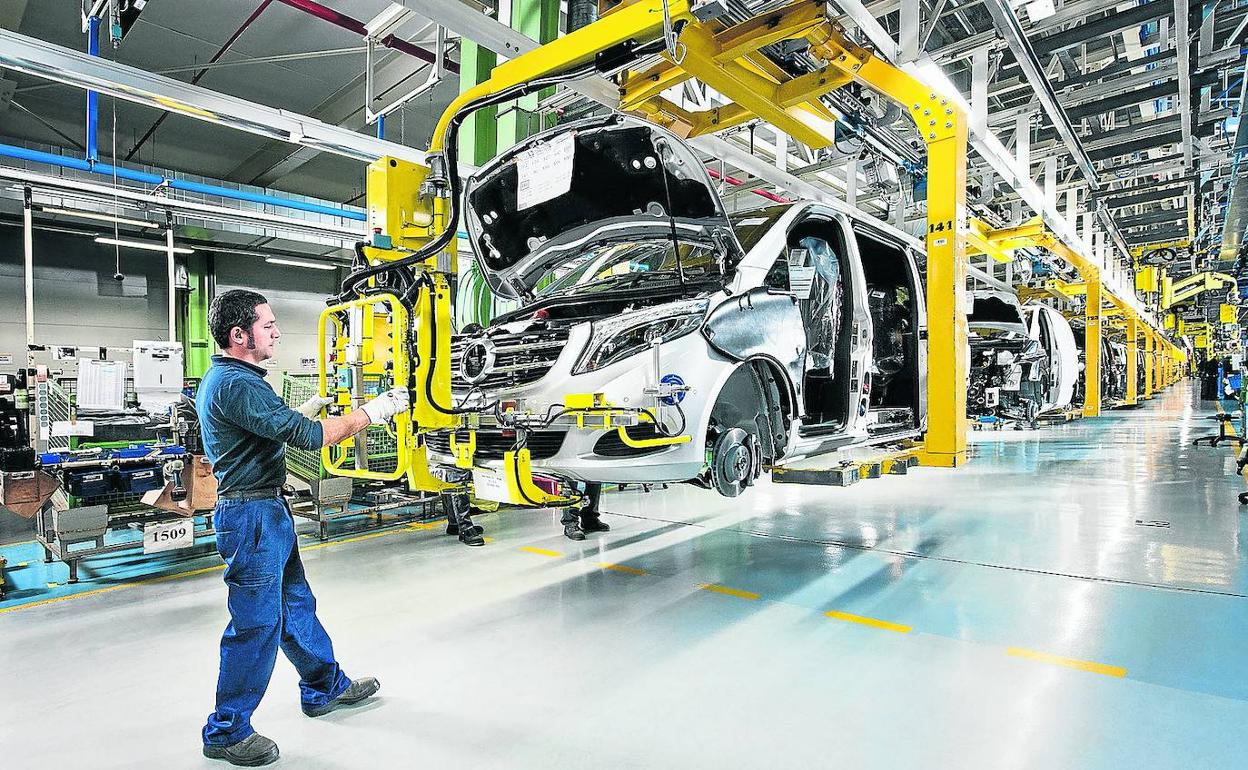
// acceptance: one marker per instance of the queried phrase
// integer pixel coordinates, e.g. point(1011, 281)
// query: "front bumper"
point(595, 454)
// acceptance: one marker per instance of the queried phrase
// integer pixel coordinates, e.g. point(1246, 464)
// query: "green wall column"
point(478, 137)
point(493, 129)
point(539, 20)
point(193, 317)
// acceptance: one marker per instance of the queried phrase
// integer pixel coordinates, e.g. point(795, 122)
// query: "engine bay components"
point(1009, 369)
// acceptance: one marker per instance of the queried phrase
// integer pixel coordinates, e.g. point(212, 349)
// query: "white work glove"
point(313, 406)
point(387, 405)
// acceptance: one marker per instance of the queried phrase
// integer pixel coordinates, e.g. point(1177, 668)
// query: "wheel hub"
point(734, 462)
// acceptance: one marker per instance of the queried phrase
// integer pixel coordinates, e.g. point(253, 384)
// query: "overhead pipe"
point(93, 98)
point(143, 177)
point(732, 180)
point(350, 24)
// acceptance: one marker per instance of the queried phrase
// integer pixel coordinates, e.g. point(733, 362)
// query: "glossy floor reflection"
point(1074, 598)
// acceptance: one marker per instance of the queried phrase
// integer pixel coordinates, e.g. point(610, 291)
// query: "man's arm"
point(376, 412)
point(337, 429)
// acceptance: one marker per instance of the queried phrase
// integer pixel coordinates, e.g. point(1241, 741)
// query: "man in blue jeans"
point(246, 428)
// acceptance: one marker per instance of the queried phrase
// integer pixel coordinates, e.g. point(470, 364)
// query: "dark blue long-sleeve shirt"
point(246, 427)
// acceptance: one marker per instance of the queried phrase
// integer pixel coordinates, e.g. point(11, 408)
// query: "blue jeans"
point(271, 605)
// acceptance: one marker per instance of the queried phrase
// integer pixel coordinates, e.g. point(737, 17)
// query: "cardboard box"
point(201, 490)
point(25, 492)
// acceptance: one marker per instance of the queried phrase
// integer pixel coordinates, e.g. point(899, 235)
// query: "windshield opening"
point(751, 226)
point(991, 309)
point(628, 264)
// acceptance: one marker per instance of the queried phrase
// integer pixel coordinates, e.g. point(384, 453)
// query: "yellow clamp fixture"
point(595, 405)
point(646, 443)
point(367, 309)
point(463, 452)
point(520, 487)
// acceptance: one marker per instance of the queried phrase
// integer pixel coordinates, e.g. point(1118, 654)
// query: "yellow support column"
point(1092, 349)
point(943, 127)
point(946, 288)
point(1133, 360)
point(1150, 359)
point(1158, 384)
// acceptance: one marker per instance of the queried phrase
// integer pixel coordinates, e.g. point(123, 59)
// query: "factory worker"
point(246, 428)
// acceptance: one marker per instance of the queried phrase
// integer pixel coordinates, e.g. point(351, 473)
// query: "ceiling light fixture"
point(97, 216)
point(300, 263)
point(146, 245)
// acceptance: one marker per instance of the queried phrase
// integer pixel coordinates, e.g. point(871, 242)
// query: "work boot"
point(453, 529)
point(358, 690)
point(592, 523)
point(470, 534)
point(253, 751)
point(573, 532)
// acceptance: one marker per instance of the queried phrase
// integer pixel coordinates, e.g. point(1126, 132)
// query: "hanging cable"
point(354, 281)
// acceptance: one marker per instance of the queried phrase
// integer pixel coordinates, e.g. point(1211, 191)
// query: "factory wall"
point(297, 296)
point(77, 301)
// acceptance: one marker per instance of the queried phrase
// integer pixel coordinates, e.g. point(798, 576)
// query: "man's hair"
point(236, 307)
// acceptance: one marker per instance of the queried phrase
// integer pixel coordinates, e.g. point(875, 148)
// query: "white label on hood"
point(545, 171)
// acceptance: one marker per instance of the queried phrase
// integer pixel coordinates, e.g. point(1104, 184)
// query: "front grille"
point(491, 445)
point(520, 358)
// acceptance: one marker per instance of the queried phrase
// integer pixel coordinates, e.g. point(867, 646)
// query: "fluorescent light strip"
point(147, 245)
point(97, 216)
point(300, 263)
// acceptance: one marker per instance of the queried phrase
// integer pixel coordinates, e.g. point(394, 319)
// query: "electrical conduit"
point(143, 177)
point(93, 98)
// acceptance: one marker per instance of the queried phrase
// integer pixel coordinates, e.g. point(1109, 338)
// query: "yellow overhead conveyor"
point(1101, 307)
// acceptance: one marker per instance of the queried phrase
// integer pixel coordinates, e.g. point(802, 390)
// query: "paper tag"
point(169, 536)
point(801, 280)
point(489, 485)
point(6, 358)
point(67, 428)
point(545, 171)
point(801, 273)
point(307, 363)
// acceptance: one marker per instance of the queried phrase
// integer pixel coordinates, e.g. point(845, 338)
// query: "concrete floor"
point(1074, 598)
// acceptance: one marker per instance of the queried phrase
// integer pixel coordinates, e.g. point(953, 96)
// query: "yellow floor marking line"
point(488, 539)
point(1058, 660)
point(541, 551)
point(622, 568)
point(726, 591)
point(180, 575)
point(110, 589)
point(358, 538)
point(865, 621)
point(420, 525)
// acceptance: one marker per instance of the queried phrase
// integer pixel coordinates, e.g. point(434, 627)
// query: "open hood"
point(544, 201)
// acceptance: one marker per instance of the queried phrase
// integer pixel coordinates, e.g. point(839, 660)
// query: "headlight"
point(614, 339)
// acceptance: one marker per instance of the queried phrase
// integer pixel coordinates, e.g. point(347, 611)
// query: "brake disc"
point(735, 461)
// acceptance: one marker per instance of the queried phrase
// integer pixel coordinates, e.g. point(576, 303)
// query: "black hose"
point(450, 155)
point(450, 147)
